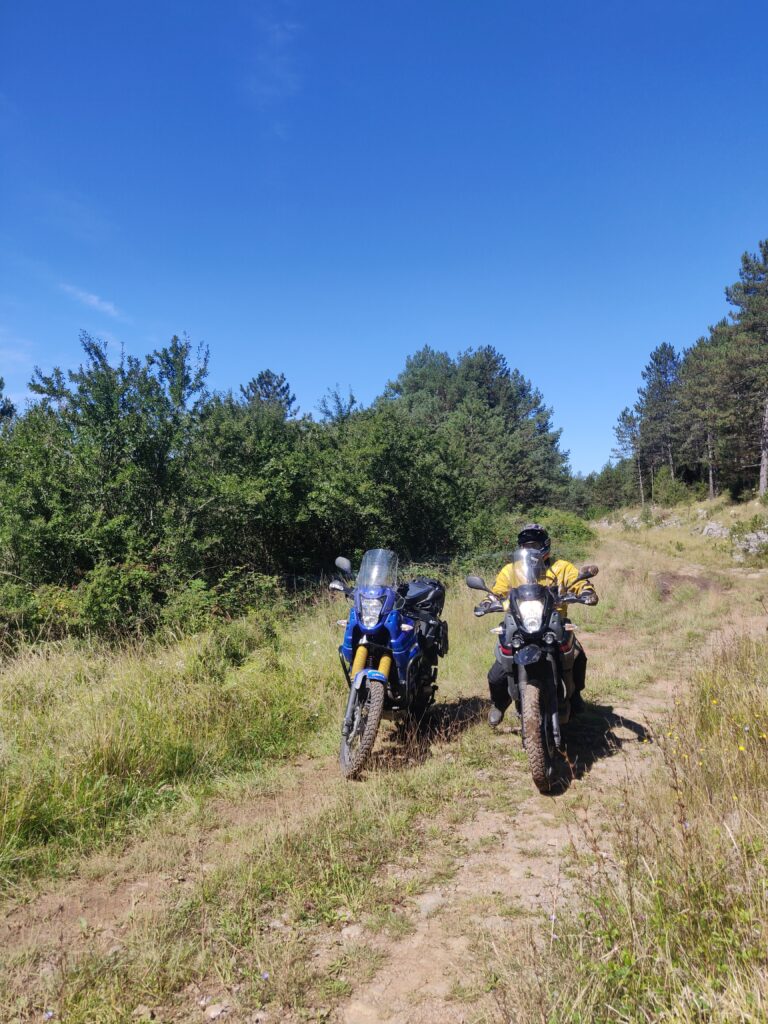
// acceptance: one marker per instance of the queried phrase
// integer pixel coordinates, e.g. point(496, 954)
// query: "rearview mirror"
point(476, 583)
point(335, 585)
point(345, 565)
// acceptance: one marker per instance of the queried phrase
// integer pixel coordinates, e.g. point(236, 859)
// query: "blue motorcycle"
point(393, 638)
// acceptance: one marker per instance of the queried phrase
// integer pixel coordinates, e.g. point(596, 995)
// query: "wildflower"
point(714, 700)
point(742, 748)
point(265, 975)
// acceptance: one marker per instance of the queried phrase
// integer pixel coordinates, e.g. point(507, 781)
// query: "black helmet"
point(533, 533)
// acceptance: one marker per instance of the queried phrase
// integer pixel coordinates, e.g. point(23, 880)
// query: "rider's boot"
point(495, 716)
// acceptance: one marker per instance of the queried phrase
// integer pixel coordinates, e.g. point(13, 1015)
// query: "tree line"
point(700, 422)
point(131, 495)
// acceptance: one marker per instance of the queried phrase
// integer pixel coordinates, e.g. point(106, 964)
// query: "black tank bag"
point(425, 599)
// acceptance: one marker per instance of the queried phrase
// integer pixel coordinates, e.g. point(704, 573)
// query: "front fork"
point(356, 679)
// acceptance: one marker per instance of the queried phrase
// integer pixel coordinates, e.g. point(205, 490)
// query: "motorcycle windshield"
point(529, 566)
point(378, 569)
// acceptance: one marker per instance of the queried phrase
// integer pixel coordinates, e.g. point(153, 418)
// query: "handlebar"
point(488, 606)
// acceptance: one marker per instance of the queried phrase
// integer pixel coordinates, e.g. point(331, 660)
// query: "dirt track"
point(506, 881)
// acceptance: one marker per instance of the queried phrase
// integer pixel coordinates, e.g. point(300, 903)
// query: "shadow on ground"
point(409, 742)
point(593, 735)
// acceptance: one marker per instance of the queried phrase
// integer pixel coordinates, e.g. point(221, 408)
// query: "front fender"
point(370, 674)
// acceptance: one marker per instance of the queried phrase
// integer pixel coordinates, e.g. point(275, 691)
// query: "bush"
point(667, 491)
point(240, 590)
point(119, 599)
point(188, 609)
point(496, 535)
point(571, 535)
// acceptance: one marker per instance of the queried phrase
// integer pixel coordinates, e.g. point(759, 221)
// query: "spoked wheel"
point(357, 746)
point(543, 758)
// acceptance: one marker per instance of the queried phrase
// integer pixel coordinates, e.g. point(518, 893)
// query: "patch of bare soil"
point(111, 892)
point(668, 582)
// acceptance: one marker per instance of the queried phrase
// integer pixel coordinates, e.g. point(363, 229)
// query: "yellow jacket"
point(559, 572)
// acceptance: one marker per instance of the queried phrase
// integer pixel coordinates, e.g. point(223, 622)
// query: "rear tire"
point(356, 748)
point(540, 761)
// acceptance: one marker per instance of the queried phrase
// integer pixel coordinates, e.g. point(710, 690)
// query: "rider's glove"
point(482, 608)
point(589, 597)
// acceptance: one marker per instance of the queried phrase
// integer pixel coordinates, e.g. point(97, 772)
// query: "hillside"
point(441, 886)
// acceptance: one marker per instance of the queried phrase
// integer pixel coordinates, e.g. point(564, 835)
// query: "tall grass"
point(90, 740)
point(674, 926)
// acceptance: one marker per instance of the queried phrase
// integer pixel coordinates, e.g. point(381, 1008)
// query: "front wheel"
point(357, 746)
point(538, 743)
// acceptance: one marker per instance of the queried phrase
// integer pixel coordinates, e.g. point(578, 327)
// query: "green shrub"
point(119, 598)
point(667, 491)
point(188, 609)
point(58, 611)
point(240, 590)
point(496, 535)
point(571, 535)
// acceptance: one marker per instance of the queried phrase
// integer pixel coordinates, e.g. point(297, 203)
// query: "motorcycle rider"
point(560, 572)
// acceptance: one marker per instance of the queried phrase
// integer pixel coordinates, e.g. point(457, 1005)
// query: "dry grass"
point(359, 851)
point(677, 927)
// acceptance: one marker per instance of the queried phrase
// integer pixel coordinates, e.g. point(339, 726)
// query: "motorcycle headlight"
point(531, 612)
point(370, 611)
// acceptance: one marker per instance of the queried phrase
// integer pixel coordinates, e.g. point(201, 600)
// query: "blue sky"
point(323, 187)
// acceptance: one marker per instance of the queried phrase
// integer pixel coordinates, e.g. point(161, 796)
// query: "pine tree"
point(271, 389)
point(7, 408)
point(657, 409)
point(703, 397)
point(627, 431)
point(750, 297)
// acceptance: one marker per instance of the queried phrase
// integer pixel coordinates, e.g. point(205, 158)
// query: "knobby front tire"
point(356, 748)
point(539, 760)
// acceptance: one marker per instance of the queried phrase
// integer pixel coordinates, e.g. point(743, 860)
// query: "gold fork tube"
point(359, 660)
point(385, 664)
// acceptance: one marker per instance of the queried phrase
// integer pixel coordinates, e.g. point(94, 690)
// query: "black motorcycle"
point(537, 649)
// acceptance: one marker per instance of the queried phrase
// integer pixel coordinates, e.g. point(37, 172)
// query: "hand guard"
point(589, 597)
point(482, 608)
